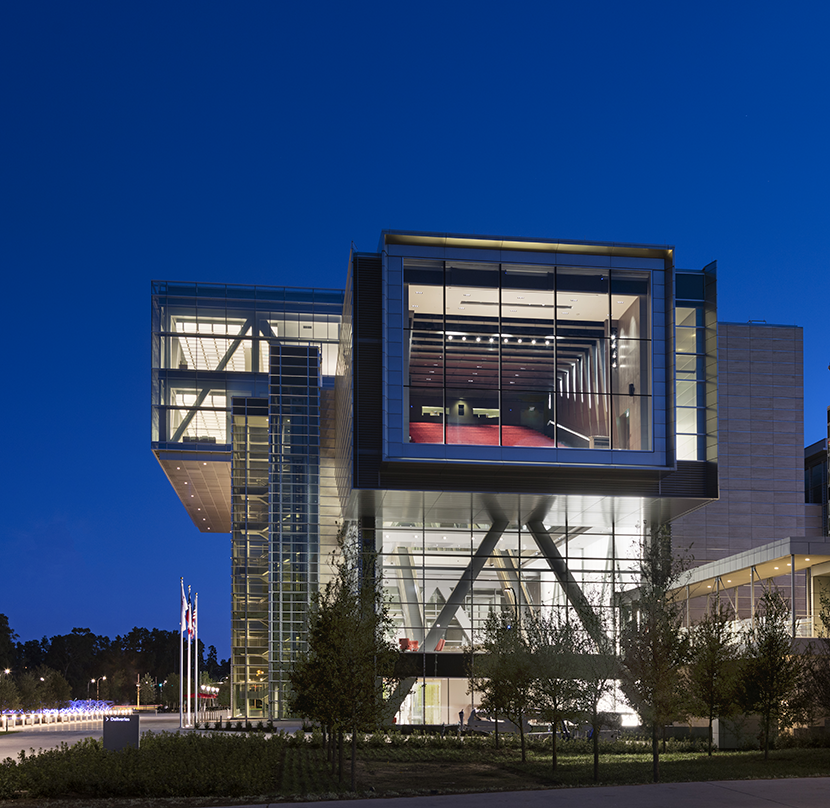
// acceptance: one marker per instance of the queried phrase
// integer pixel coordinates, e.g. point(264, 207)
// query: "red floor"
point(478, 435)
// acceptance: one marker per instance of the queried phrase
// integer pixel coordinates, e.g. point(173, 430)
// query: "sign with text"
point(120, 731)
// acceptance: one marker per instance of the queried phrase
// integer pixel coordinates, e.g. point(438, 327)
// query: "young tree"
point(599, 671)
point(344, 678)
point(503, 670)
point(773, 672)
point(170, 691)
point(557, 646)
point(147, 689)
point(653, 646)
point(818, 662)
point(713, 664)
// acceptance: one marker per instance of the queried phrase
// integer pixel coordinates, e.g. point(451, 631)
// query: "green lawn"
point(192, 770)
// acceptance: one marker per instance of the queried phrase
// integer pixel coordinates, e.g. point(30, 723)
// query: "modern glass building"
point(242, 401)
point(500, 419)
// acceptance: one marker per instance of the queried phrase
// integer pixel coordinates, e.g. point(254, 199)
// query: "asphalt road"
point(51, 736)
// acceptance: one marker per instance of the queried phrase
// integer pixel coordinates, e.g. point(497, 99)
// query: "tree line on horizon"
point(54, 670)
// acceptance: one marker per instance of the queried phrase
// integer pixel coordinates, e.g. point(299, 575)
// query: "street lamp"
point(98, 686)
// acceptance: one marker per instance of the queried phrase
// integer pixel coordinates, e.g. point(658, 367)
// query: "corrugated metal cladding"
point(698, 477)
point(368, 371)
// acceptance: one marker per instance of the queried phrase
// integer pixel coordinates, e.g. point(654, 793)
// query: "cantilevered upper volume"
point(211, 343)
point(522, 366)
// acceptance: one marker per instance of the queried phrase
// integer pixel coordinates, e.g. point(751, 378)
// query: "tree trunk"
point(553, 747)
point(354, 758)
point(711, 719)
point(497, 728)
point(340, 756)
point(655, 753)
point(595, 739)
point(522, 735)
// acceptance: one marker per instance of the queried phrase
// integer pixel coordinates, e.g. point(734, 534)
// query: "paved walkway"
point(795, 793)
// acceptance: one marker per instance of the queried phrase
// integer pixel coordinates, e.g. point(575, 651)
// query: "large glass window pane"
point(631, 420)
point(691, 394)
point(527, 417)
point(473, 416)
point(689, 340)
point(630, 364)
point(582, 421)
point(630, 303)
point(691, 420)
point(426, 415)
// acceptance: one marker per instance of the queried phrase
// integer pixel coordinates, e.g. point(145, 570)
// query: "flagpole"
point(189, 642)
point(181, 657)
point(196, 653)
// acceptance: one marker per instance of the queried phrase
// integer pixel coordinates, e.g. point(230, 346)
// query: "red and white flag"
point(183, 617)
point(189, 615)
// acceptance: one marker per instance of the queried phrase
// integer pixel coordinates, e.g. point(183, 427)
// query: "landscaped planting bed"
point(189, 770)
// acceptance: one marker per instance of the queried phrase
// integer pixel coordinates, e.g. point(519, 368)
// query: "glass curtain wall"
point(425, 564)
point(276, 529)
point(690, 359)
point(531, 356)
point(250, 607)
point(211, 342)
point(294, 506)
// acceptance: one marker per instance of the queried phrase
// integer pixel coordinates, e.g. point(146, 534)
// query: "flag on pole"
point(189, 615)
point(183, 617)
point(193, 615)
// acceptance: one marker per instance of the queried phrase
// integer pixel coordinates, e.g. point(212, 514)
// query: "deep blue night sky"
point(253, 142)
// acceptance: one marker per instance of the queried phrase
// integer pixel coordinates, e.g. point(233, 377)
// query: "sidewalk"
point(795, 793)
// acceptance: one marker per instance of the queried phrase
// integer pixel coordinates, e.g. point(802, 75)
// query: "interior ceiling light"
point(467, 294)
point(418, 293)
